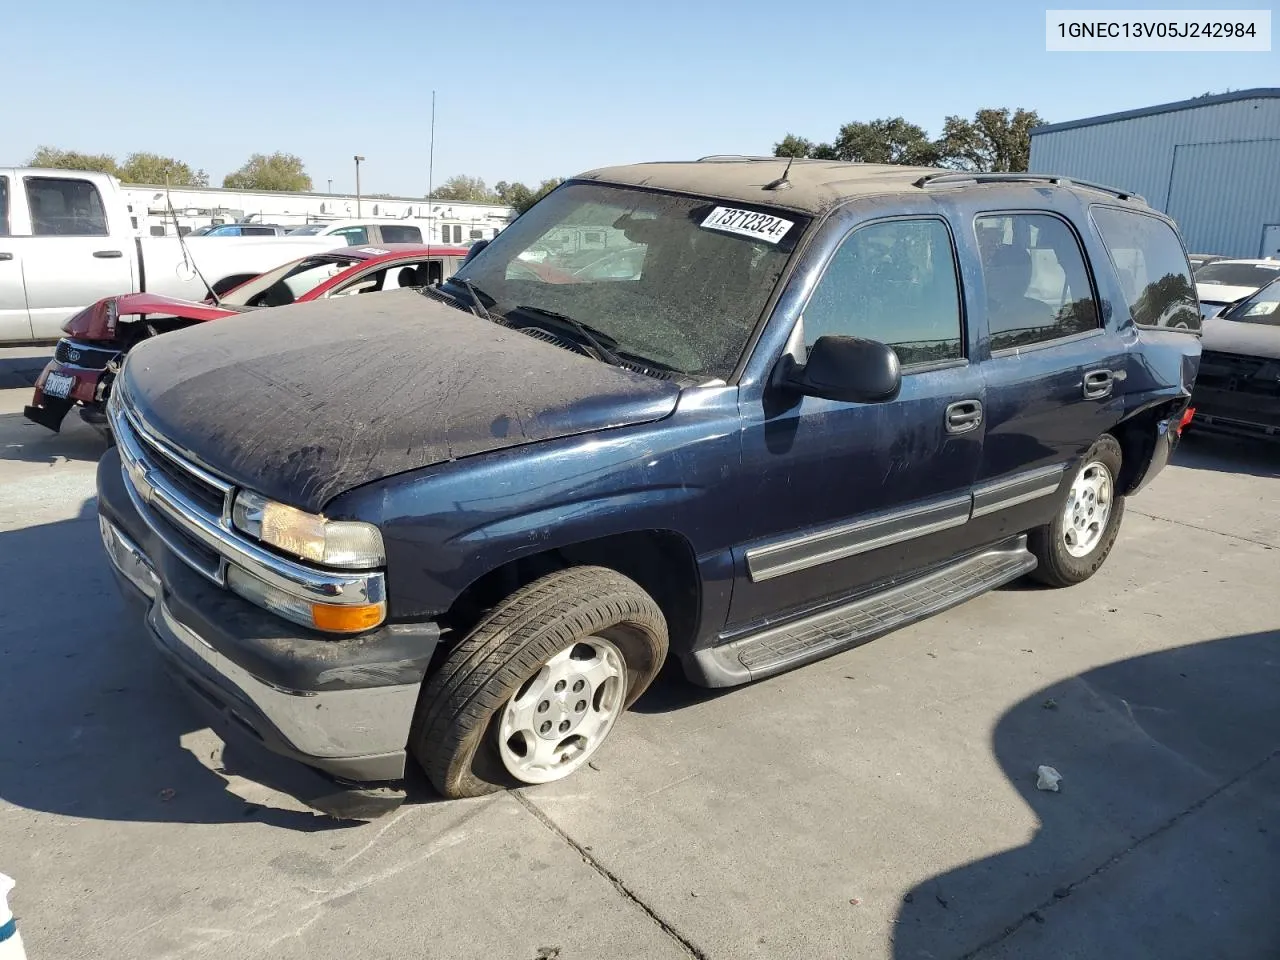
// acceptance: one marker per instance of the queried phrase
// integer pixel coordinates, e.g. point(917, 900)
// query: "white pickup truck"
point(69, 238)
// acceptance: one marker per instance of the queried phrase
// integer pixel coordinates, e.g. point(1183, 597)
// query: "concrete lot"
point(879, 804)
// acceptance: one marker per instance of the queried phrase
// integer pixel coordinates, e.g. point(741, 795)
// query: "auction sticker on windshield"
point(748, 223)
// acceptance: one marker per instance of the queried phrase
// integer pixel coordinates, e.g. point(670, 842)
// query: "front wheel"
point(532, 692)
point(1072, 548)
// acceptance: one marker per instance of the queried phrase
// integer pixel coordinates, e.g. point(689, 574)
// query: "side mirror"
point(475, 248)
point(849, 369)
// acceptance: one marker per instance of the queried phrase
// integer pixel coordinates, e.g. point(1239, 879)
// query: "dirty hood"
point(336, 393)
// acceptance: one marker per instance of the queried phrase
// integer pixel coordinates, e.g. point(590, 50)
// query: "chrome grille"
point(82, 355)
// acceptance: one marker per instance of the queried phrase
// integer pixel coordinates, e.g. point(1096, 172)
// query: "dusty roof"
point(816, 185)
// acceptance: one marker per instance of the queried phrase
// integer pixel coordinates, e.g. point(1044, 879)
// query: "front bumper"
point(49, 411)
point(339, 708)
point(1237, 413)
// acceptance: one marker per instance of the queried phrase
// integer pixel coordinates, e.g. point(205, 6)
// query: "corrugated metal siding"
point(1232, 217)
point(1138, 154)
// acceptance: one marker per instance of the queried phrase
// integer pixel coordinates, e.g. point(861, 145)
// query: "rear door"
point(851, 494)
point(69, 257)
point(1051, 368)
point(15, 322)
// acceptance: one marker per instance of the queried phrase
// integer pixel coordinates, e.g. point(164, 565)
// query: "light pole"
point(358, 159)
point(331, 184)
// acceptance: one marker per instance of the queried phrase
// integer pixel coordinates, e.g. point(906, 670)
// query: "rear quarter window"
point(1155, 276)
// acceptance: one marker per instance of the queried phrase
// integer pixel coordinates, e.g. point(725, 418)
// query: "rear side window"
point(65, 208)
point(4, 206)
point(353, 235)
point(397, 233)
point(1036, 282)
point(257, 232)
point(1153, 270)
point(894, 282)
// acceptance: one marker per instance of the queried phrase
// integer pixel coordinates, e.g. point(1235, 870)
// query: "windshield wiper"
point(475, 296)
point(584, 331)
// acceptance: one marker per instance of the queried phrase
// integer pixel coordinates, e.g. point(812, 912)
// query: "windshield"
point(1238, 274)
point(286, 284)
point(308, 231)
point(675, 280)
point(1262, 307)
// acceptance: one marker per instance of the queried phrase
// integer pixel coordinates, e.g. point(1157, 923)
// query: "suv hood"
point(329, 395)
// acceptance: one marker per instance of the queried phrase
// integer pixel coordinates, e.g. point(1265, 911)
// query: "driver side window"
point(894, 282)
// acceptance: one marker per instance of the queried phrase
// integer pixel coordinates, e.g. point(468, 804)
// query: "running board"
point(778, 649)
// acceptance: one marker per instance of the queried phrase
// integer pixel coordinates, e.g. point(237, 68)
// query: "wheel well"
point(1137, 439)
point(660, 561)
point(227, 284)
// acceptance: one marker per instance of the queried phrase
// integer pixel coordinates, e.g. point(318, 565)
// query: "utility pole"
point(331, 184)
point(431, 165)
point(358, 159)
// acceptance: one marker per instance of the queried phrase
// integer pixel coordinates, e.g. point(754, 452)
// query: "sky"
point(526, 91)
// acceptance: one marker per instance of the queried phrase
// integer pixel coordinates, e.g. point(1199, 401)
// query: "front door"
point(15, 323)
point(850, 494)
point(70, 259)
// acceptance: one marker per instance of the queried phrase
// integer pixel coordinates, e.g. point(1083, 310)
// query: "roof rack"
point(931, 179)
point(736, 156)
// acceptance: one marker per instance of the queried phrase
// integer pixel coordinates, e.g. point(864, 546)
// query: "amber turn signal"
point(346, 618)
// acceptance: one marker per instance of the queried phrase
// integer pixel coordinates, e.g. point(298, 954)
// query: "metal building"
point(1213, 164)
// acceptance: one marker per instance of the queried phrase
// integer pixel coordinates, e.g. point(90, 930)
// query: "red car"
point(86, 360)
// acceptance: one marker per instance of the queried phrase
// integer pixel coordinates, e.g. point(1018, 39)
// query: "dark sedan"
point(1238, 390)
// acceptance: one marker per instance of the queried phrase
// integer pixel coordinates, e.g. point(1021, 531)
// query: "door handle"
point(107, 254)
point(6, 256)
point(963, 416)
point(1098, 384)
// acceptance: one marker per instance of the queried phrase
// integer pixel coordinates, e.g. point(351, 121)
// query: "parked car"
point(1224, 282)
point(85, 361)
point(1238, 390)
point(360, 232)
point(469, 524)
point(247, 230)
point(1198, 260)
point(68, 238)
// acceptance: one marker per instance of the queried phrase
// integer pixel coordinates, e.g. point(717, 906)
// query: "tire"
point(1059, 562)
point(467, 705)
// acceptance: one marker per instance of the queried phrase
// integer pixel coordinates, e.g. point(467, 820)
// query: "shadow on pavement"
point(1223, 454)
point(91, 722)
point(20, 368)
point(1165, 838)
point(22, 440)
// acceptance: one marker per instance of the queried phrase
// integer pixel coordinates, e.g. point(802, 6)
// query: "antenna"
point(431, 169)
point(187, 259)
point(782, 183)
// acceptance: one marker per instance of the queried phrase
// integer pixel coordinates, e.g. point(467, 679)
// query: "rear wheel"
point(1070, 549)
point(534, 690)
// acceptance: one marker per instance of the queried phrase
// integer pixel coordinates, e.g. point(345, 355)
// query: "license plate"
point(57, 385)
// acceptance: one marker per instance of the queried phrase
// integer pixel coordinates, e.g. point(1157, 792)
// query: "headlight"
point(329, 617)
point(347, 544)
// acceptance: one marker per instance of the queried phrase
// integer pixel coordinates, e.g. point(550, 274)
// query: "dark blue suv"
point(742, 413)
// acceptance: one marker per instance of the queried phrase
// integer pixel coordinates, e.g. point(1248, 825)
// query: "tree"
point(73, 160)
point(890, 140)
point(793, 146)
point(153, 168)
point(993, 141)
point(279, 171)
point(520, 197)
point(464, 188)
